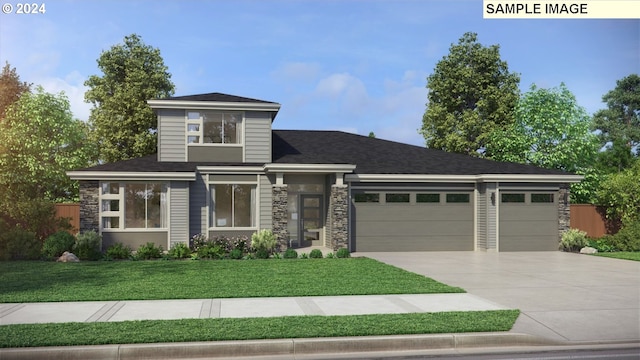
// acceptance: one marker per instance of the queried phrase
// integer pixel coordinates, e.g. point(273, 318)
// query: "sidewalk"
point(93, 311)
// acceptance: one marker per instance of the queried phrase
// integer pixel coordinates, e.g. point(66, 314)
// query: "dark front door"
point(311, 220)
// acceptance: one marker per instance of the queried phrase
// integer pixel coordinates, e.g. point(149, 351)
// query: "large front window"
point(233, 205)
point(133, 205)
point(213, 127)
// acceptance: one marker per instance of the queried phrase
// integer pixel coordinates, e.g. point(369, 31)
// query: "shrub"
point(343, 253)
point(197, 241)
point(573, 240)
point(149, 251)
point(56, 244)
point(19, 244)
point(87, 246)
point(236, 254)
point(290, 254)
point(211, 251)
point(627, 239)
point(330, 255)
point(316, 254)
point(180, 251)
point(118, 251)
point(304, 256)
point(262, 254)
point(603, 244)
point(264, 240)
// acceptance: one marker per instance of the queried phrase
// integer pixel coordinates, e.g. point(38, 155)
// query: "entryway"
point(310, 220)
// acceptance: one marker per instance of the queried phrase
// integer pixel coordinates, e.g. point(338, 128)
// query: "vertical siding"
point(179, 212)
point(265, 208)
point(171, 135)
point(257, 127)
point(492, 224)
point(482, 216)
point(197, 206)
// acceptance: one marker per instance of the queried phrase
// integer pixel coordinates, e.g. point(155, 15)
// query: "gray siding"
point(492, 228)
point(179, 212)
point(265, 213)
point(482, 216)
point(230, 233)
point(134, 239)
point(171, 135)
point(221, 153)
point(197, 206)
point(257, 128)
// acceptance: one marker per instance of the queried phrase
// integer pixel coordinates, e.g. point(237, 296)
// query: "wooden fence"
point(591, 218)
point(70, 211)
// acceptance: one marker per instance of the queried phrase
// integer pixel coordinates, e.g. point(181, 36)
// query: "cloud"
point(297, 71)
point(74, 89)
point(348, 92)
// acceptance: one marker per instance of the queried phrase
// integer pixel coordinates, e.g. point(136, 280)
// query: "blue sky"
point(349, 65)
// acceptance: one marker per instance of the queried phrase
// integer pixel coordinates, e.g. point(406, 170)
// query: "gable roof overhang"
point(131, 176)
point(513, 178)
point(212, 105)
point(309, 168)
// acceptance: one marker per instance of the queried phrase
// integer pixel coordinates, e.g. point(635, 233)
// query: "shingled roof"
point(217, 97)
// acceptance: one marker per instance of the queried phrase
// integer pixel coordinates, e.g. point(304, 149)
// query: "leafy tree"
point(621, 120)
point(10, 88)
point(620, 193)
point(123, 124)
point(471, 92)
point(372, 135)
point(616, 157)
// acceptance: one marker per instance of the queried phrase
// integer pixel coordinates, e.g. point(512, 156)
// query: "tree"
point(372, 135)
point(620, 193)
point(10, 88)
point(621, 120)
point(471, 92)
point(123, 124)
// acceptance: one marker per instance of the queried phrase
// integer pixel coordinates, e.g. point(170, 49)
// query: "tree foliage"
point(470, 93)
point(10, 88)
point(122, 122)
point(621, 120)
point(620, 193)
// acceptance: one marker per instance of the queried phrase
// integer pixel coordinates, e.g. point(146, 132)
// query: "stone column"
point(89, 206)
point(280, 215)
point(339, 214)
point(564, 210)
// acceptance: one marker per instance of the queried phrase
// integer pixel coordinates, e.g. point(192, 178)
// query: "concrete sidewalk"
point(92, 311)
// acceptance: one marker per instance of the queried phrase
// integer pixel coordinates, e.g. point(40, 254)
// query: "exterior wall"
point(215, 153)
point(179, 213)
point(89, 206)
point(230, 233)
point(198, 206)
point(339, 214)
point(280, 215)
point(134, 239)
point(257, 128)
point(482, 217)
point(564, 210)
point(171, 135)
point(492, 216)
point(266, 196)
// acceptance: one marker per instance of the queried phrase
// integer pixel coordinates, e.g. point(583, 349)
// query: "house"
point(221, 169)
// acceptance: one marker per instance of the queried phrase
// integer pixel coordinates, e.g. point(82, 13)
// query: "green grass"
point(38, 281)
point(128, 332)
point(626, 255)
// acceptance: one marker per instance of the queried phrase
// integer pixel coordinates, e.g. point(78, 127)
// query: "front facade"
point(221, 169)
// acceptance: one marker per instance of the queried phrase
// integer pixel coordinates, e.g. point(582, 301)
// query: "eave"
point(528, 178)
point(131, 176)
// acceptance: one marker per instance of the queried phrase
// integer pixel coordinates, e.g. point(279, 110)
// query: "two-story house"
point(221, 169)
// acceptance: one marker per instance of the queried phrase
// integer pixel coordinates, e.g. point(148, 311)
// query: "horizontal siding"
point(265, 209)
point(171, 135)
point(257, 137)
point(197, 206)
point(179, 212)
point(482, 216)
point(492, 225)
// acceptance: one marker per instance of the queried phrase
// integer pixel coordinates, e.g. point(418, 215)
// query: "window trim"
point(553, 198)
point(446, 198)
point(386, 197)
point(121, 213)
point(428, 202)
point(524, 197)
point(211, 209)
point(365, 194)
point(200, 132)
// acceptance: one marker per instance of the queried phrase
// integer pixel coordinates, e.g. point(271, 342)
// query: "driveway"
point(562, 296)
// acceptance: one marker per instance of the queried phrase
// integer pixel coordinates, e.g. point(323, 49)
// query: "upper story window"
point(214, 127)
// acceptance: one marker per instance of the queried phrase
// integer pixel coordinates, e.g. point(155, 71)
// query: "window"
point(366, 198)
point(427, 198)
point(397, 198)
point(211, 127)
point(133, 205)
point(512, 198)
point(457, 198)
point(541, 198)
point(233, 205)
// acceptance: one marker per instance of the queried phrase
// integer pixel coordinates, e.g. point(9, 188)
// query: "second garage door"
point(528, 221)
point(412, 221)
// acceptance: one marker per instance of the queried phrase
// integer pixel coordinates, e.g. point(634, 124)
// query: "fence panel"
point(589, 218)
point(71, 211)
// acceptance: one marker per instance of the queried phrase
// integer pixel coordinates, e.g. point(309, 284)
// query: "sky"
point(349, 65)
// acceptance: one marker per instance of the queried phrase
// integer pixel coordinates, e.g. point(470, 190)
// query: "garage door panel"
point(528, 227)
point(510, 213)
point(408, 228)
point(413, 213)
point(414, 243)
point(516, 228)
point(529, 243)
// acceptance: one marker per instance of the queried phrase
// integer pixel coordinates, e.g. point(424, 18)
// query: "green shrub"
point(290, 254)
point(316, 254)
point(87, 246)
point(56, 244)
point(343, 253)
point(149, 251)
point(211, 251)
point(198, 241)
point(19, 244)
point(304, 256)
point(118, 251)
point(603, 244)
point(330, 255)
point(264, 240)
point(180, 251)
point(236, 254)
point(573, 240)
point(262, 254)
point(627, 239)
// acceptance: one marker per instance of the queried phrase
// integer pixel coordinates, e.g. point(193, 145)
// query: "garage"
point(412, 220)
point(528, 221)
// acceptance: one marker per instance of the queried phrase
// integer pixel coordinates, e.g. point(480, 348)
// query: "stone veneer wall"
point(564, 210)
point(89, 205)
point(280, 215)
point(339, 213)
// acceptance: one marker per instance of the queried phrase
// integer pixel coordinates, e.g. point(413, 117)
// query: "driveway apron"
point(562, 296)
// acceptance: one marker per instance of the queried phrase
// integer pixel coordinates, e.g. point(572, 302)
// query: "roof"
point(217, 97)
point(370, 155)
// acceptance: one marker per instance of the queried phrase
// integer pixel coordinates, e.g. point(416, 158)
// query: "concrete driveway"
point(562, 296)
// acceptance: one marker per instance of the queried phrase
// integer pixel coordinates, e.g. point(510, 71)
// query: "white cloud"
point(74, 89)
point(297, 71)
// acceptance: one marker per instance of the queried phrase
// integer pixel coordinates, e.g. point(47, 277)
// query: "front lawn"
point(37, 281)
point(154, 331)
point(626, 255)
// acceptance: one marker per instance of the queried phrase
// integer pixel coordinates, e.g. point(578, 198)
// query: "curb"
point(282, 348)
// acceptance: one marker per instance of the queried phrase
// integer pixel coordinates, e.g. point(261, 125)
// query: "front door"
point(310, 220)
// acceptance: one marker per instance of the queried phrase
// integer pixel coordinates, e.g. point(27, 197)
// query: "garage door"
point(412, 221)
point(528, 221)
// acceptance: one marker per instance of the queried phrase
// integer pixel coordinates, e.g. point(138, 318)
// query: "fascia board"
point(112, 175)
point(211, 105)
point(230, 169)
point(462, 178)
point(309, 168)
